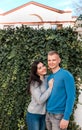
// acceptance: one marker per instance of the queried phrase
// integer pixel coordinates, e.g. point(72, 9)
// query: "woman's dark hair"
point(34, 77)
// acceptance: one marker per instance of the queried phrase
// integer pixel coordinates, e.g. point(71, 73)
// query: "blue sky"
point(6, 5)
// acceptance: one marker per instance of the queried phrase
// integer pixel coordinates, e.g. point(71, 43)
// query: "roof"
point(36, 4)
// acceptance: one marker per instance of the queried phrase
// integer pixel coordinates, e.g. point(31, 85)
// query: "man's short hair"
point(53, 52)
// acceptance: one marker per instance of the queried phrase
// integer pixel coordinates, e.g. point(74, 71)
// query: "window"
point(8, 26)
point(59, 26)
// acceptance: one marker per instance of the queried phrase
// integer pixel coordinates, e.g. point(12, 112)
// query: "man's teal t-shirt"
point(61, 100)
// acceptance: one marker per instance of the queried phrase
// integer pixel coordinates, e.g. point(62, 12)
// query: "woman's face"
point(41, 69)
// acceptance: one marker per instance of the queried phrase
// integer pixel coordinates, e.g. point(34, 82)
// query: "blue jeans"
point(35, 121)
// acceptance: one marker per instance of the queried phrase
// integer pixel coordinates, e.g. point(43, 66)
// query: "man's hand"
point(64, 124)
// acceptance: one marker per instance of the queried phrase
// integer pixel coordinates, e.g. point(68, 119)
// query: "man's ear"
point(59, 60)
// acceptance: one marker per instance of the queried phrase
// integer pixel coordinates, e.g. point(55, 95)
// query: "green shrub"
point(18, 49)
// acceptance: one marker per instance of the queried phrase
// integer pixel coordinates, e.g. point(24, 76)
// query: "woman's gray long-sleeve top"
point(39, 95)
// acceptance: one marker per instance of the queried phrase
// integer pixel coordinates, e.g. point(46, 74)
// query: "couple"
point(50, 106)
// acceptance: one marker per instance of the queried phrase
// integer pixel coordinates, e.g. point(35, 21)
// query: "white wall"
point(24, 15)
point(78, 111)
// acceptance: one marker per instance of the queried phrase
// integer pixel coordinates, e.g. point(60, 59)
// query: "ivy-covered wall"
point(18, 49)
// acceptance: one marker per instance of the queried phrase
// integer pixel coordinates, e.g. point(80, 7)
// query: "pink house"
point(37, 15)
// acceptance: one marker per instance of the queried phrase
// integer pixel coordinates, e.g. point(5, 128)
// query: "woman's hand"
point(50, 83)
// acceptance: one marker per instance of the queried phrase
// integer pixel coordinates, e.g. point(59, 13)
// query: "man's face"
point(53, 61)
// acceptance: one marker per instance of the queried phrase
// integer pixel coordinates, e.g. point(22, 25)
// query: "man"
point(61, 100)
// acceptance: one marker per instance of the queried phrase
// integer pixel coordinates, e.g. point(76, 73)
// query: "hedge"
point(19, 47)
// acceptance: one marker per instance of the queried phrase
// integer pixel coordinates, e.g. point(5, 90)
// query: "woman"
point(35, 117)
